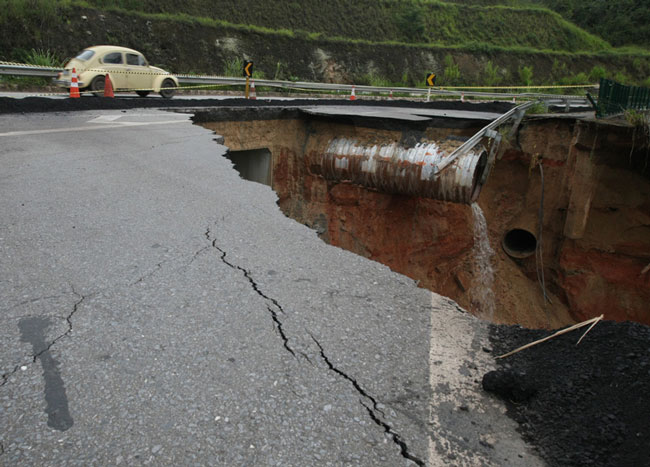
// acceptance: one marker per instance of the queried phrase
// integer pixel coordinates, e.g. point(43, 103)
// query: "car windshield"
point(85, 55)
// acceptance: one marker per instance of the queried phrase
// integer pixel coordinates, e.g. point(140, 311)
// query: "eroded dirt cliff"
point(595, 214)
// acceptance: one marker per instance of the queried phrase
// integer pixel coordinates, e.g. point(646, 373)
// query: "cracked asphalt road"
point(186, 321)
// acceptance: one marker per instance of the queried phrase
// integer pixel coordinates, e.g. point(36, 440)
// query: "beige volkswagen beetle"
point(127, 68)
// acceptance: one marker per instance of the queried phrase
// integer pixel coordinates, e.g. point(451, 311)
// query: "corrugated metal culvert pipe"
point(392, 168)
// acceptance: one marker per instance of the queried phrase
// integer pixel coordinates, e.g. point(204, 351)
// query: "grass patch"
point(403, 21)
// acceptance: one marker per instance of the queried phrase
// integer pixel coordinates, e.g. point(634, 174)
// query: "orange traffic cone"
point(252, 95)
point(353, 96)
point(74, 85)
point(108, 87)
point(390, 96)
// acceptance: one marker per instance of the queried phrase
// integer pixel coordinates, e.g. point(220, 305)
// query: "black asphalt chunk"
point(44, 104)
point(583, 405)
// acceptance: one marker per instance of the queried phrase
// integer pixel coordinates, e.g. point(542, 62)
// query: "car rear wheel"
point(142, 93)
point(97, 86)
point(167, 88)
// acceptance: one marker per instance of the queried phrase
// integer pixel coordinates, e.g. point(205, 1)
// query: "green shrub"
point(42, 57)
point(526, 75)
point(575, 80)
point(559, 69)
point(621, 77)
point(405, 82)
point(233, 67)
point(492, 77)
point(372, 79)
point(596, 73)
point(451, 74)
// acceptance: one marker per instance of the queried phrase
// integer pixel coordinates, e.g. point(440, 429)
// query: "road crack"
point(273, 307)
point(373, 409)
point(35, 357)
point(154, 270)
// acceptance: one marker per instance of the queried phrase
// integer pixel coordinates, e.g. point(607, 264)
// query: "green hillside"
point(621, 22)
point(379, 42)
point(407, 21)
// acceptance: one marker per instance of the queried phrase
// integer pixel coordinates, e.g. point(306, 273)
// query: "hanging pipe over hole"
point(392, 168)
point(519, 243)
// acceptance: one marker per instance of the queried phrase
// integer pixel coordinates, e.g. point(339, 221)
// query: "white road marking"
point(457, 363)
point(105, 119)
point(89, 128)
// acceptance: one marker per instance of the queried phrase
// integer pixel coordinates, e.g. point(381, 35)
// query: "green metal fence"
point(615, 98)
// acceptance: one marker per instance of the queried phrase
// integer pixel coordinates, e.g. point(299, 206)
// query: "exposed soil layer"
point(580, 405)
point(591, 178)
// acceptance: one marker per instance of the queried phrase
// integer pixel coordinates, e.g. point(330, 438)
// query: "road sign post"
point(430, 82)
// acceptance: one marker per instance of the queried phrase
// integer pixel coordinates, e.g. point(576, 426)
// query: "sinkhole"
point(366, 185)
point(372, 188)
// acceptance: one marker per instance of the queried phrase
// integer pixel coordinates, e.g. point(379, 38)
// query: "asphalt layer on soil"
point(43, 104)
point(583, 405)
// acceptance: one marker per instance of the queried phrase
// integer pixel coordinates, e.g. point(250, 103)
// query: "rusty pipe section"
point(392, 168)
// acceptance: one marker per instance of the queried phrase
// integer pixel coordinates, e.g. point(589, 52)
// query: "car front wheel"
point(167, 88)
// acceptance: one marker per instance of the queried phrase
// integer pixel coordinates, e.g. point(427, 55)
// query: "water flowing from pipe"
point(482, 290)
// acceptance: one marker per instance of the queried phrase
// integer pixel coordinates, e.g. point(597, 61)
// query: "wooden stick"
point(590, 328)
point(591, 321)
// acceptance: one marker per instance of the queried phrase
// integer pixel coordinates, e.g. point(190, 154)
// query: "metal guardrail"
point(516, 113)
point(28, 70)
point(19, 69)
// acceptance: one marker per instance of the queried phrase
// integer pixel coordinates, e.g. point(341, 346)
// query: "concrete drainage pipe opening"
point(519, 243)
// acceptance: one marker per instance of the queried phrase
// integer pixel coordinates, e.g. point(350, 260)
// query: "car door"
point(113, 63)
point(139, 76)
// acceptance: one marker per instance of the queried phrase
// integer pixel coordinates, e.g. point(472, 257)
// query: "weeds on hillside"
point(491, 76)
point(526, 75)
point(452, 72)
point(43, 57)
point(233, 67)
